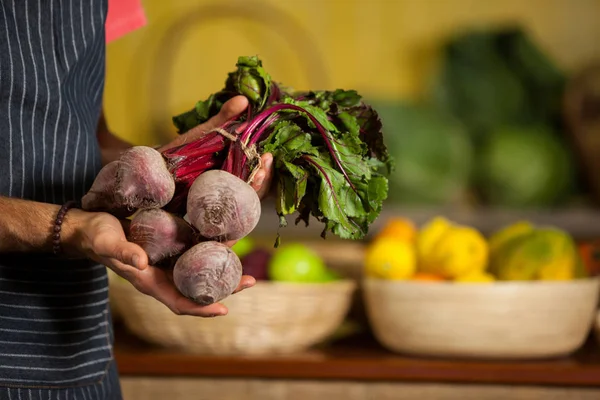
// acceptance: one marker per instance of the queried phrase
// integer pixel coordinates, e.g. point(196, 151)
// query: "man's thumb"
point(131, 254)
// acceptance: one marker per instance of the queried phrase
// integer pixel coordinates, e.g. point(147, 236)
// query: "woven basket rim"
point(495, 284)
point(344, 283)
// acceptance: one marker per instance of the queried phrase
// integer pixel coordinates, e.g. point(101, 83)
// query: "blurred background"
point(491, 110)
point(459, 84)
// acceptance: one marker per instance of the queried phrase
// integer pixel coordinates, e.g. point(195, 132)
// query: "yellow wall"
point(382, 48)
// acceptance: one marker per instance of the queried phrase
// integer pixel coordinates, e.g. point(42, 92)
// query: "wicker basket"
point(516, 320)
point(268, 318)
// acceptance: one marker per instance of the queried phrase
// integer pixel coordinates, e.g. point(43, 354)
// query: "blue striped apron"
point(55, 325)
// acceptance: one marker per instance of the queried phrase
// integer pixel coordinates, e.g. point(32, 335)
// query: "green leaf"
point(324, 99)
point(203, 108)
point(376, 194)
point(371, 133)
point(292, 183)
point(202, 112)
point(352, 152)
point(318, 113)
point(288, 141)
point(326, 155)
point(342, 103)
point(350, 123)
point(251, 80)
point(346, 98)
point(310, 183)
point(301, 179)
point(337, 201)
point(285, 195)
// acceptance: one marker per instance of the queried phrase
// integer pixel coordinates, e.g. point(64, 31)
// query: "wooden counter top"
point(357, 358)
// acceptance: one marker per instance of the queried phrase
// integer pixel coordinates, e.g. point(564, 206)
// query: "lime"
point(296, 262)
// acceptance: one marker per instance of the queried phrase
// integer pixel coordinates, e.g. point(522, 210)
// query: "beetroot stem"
point(324, 132)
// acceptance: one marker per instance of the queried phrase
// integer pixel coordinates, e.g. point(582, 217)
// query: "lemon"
point(387, 258)
point(459, 251)
point(429, 234)
point(400, 229)
point(476, 277)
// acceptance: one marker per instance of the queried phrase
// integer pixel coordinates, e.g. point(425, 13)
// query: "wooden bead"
point(58, 225)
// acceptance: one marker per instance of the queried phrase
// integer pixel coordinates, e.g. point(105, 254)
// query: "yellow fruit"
point(460, 250)
point(544, 254)
point(422, 276)
point(504, 235)
point(429, 234)
point(558, 271)
point(387, 258)
point(399, 229)
point(476, 277)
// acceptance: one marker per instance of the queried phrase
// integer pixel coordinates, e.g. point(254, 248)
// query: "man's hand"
point(232, 108)
point(101, 237)
point(112, 146)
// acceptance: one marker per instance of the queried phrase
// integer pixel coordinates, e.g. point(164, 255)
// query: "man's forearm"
point(28, 226)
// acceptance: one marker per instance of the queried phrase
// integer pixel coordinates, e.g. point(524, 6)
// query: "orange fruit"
point(401, 229)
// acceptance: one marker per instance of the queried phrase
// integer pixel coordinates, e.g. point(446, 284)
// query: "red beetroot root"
point(222, 207)
point(101, 196)
point(162, 235)
point(207, 273)
point(138, 180)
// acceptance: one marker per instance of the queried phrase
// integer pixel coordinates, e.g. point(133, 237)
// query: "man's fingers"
point(241, 128)
point(168, 294)
point(257, 182)
point(165, 291)
point(230, 243)
point(125, 271)
point(184, 306)
point(246, 282)
point(130, 254)
point(232, 107)
point(263, 178)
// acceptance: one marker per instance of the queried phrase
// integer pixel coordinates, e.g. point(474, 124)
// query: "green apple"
point(296, 262)
point(243, 246)
point(330, 276)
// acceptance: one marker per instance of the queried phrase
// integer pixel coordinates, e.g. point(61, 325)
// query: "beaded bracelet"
point(58, 225)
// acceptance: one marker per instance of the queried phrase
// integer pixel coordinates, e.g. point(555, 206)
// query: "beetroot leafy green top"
point(328, 148)
point(249, 79)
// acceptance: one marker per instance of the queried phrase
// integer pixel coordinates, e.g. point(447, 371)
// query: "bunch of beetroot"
point(186, 201)
point(220, 207)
